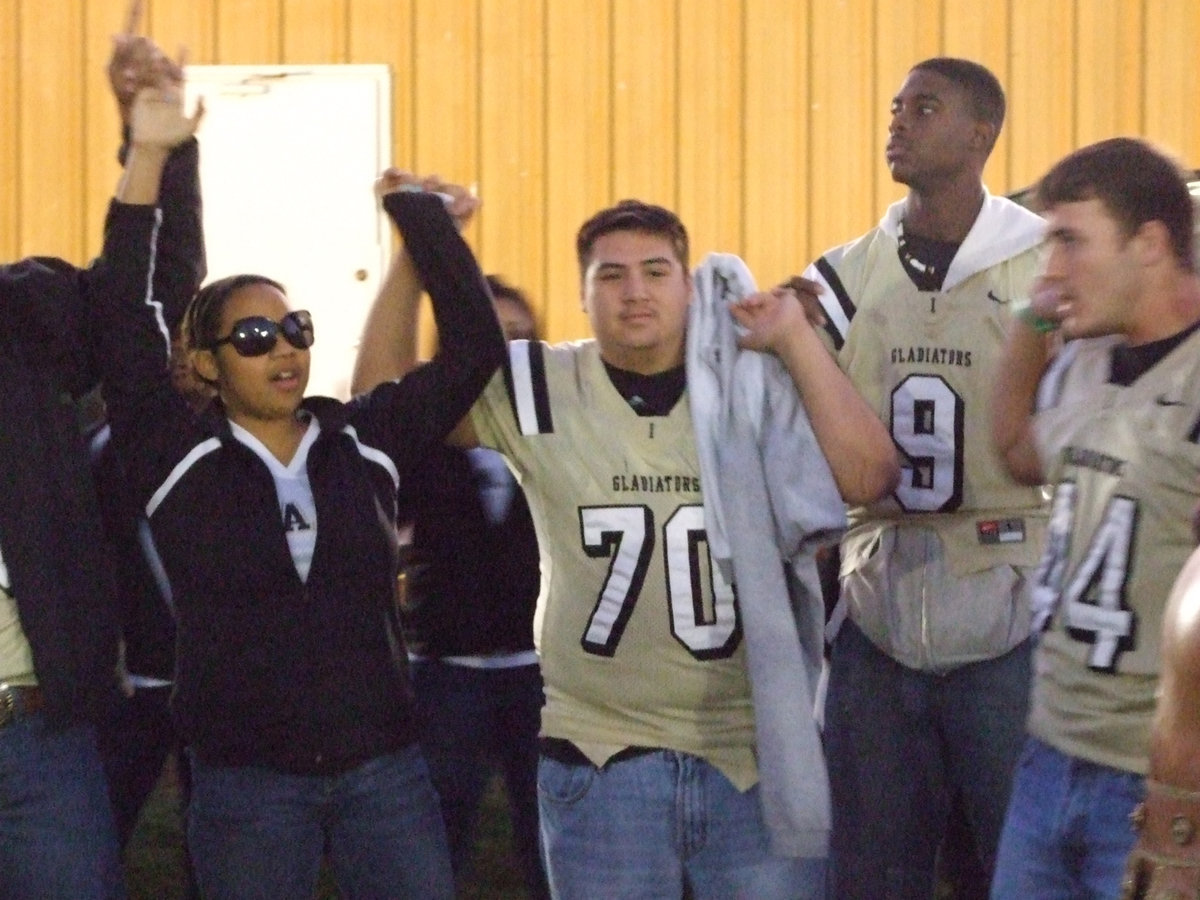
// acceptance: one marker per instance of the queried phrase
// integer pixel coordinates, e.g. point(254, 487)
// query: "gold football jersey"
point(639, 636)
point(922, 360)
point(1126, 466)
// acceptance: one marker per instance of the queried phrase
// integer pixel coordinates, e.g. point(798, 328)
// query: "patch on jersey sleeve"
point(525, 377)
point(1001, 531)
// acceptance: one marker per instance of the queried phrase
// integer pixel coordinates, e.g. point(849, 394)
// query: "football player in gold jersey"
point(1113, 422)
point(930, 660)
point(649, 777)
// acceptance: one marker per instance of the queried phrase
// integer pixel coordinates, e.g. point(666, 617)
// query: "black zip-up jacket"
point(304, 677)
point(50, 532)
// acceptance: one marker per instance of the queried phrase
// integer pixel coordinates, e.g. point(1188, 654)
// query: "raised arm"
point(431, 399)
point(132, 344)
point(136, 64)
point(856, 443)
point(51, 303)
point(388, 348)
point(1014, 391)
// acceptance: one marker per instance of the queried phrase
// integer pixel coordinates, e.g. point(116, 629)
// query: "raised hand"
point(158, 121)
point(138, 63)
point(1045, 300)
point(462, 204)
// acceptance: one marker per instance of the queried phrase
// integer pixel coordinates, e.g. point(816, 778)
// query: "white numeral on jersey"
point(1048, 579)
point(927, 425)
point(626, 535)
point(706, 633)
point(1093, 600)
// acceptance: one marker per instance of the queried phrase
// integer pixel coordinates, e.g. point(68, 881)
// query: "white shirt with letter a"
point(297, 507)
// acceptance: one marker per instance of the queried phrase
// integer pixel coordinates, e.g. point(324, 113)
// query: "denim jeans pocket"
point(562, 783)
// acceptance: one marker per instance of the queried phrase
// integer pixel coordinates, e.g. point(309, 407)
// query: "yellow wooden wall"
point(761, 121)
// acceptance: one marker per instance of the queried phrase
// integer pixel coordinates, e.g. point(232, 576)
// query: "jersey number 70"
point(626, 536)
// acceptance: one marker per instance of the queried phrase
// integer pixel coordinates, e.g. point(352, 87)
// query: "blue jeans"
point(259, 833)
point(57, 837)
point(1067, 832)
point(901, 744)
point(474, 721)
point(639, 828)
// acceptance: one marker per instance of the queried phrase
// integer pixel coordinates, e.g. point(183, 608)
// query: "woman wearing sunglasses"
point(274, 518)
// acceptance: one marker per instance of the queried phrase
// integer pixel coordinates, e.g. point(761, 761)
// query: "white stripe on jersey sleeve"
point(829, 302)
point(522, 381)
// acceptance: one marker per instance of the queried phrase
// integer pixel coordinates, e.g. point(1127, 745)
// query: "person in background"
point(1112, 421)
point(140, 737)
point(470, 587)
point(59, 626)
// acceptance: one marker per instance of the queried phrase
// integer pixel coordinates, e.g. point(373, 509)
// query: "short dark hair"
point(982, 87)
point(632, 215)
point(202, 321)
point(1135, 182)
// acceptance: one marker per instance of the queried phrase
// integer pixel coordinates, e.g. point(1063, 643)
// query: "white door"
point(288, 157)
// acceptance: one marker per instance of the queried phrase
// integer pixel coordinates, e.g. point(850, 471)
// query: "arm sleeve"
point(424, 406)
point(49, 306)
point(132, 344)
point(150, 268)
point(179, 265)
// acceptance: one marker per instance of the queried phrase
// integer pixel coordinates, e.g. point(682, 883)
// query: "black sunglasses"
point(256, 335)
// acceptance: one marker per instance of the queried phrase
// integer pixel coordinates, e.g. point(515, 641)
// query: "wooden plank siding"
point(11, 184)
point(762, 122)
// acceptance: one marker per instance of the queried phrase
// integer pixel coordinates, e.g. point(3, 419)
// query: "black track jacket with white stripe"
point(301, 676)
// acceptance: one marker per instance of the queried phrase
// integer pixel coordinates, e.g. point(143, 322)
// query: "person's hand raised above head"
point(461, 204)
point(157, 119)
point(137, 63)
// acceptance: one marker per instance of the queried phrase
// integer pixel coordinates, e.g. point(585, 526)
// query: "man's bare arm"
point(1022, 362)
point(856, 443)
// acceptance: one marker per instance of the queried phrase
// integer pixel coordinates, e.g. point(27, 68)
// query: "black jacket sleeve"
point(179, 264)
point(48, 306)
point(422, 408)
point(151, 266)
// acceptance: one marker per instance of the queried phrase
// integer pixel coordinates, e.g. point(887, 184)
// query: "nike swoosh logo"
point(994, 298)
point(1164, 400)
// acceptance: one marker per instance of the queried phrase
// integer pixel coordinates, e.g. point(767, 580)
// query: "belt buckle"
point(8, 705)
